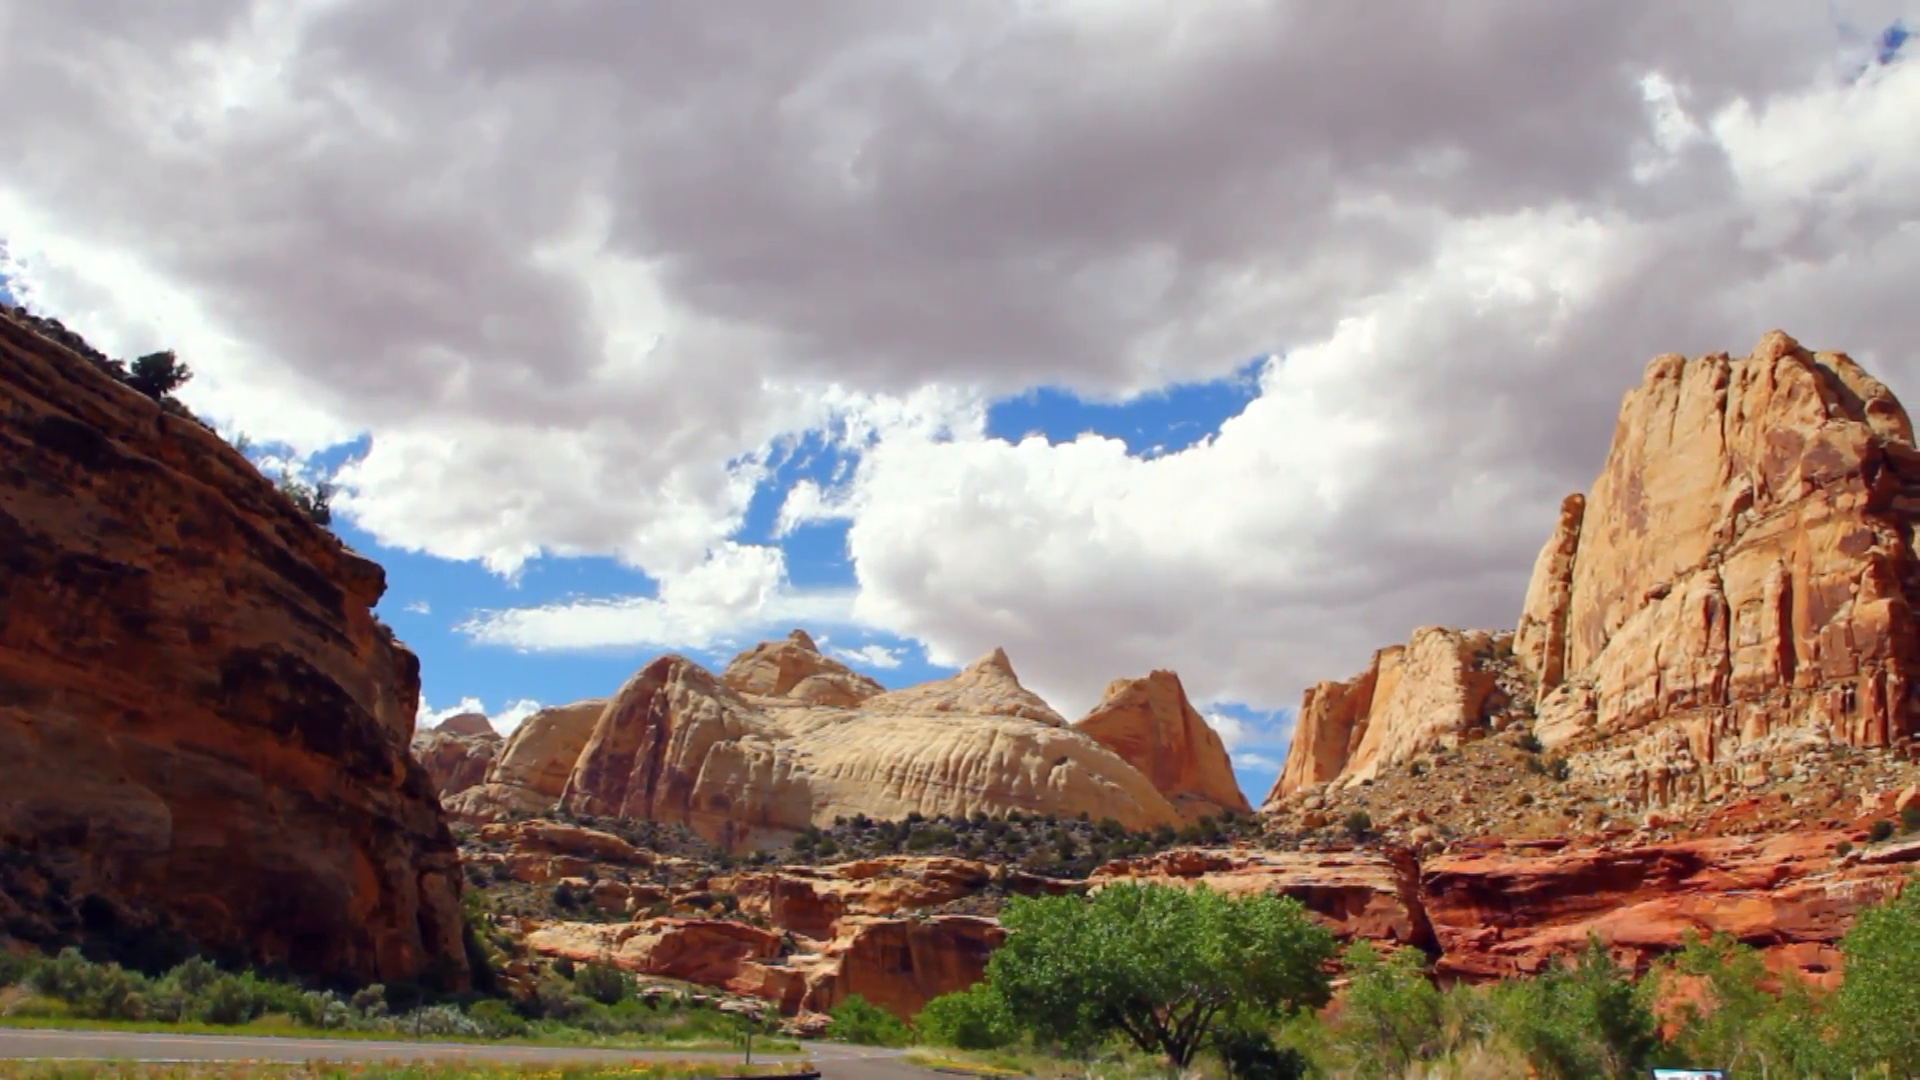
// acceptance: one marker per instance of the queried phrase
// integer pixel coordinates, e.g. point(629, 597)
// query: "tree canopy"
point(1167, 968)
point(158, 374)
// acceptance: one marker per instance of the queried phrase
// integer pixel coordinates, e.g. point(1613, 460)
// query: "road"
point(836, 1061)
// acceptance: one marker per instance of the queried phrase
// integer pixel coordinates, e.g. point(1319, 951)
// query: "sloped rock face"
point(456, 760)
point(529, 772)
point(1514, 910)
point(1441, 688)
point(1741, 578)
point(747, 770)
point(1153, 727)
point(467, 723)
point(202, 725)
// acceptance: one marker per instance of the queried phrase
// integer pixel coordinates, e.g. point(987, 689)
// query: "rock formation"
point(1152, 726)
point(796, 669)
point(1740, 579)
point(745, 769)
point(203, 728)
point(1737, 588)
point(458, 753)
point(1442, 687)
point(529, 772)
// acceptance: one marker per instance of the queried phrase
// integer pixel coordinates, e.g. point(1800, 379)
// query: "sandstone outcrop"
point(1441, 688)
point(455, 759)
point(1153, 727)
point(531, 769)
point(1372, 895)
point(1741, 578)
point(466, 723)
point(1514, 909)
point(897, 964)
point(203, 728)
point(747, 770)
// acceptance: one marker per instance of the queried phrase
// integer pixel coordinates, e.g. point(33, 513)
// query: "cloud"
point(873, 656)
point(503, 721)
point(739, 591)
point(429, 717)
point(420, 607)
point(579, 272)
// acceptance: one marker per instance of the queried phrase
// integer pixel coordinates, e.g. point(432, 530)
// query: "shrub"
point(441, 1020)
point(497, 1020)
point(1910, 819)
point(314, 500)
point(1250, 1054)
point(1391, 1016)
point(857, 1020)
point(973, 1019)
point(1880, 831)
point(602, 982)
point(1584, 1021)
point(1358, 824)
point(369, 1001)
point(1529, 742)
point(158, 374)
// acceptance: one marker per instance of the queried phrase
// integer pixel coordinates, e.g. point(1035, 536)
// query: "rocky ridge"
point(786, 739)
point(203, 728)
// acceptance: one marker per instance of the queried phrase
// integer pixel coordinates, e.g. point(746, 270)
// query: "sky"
point(1238, 337)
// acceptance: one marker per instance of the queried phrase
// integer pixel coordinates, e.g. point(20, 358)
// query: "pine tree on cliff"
point(158, 374)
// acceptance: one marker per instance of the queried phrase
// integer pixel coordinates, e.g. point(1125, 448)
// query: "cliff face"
point(1150, 723)
point(1738, 587)
point(743, 769)
point(1442, 687)
point(529, 772)
point(1741, 579)
point(203, 729)
point(459, 753)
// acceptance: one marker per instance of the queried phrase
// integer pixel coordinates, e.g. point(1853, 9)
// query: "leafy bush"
point(858, 1020)
point(1910, 819)
point(497, 1020)
point(603, 983)
point(1880, 831)
point(1579, 1022)
point(1358, 824)
point(1391, 1015)
point(976, 1018)
point(1251, 1054)
point(158, 374)
point(446, 1021)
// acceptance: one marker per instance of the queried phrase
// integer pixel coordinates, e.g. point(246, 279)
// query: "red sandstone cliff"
point(203, 727)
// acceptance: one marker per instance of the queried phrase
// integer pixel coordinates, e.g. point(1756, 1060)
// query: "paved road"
point(836, 1061)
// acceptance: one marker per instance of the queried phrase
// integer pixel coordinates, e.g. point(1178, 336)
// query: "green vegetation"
point(1036, 844)
point(856, 1020)
point(596, 1006)
point(1145, 978)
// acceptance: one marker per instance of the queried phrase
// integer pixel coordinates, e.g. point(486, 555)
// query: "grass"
point(282, 1027)
point(249, 1070)
point(930, 1060)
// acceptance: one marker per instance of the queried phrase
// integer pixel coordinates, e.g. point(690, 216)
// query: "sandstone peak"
point(1152, 726)
point(988, 686)
point(468, 723)
point(794, 667)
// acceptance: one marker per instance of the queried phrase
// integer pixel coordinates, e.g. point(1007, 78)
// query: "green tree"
point(1391, 1015)
point(1166, 968)
point(158, 374)
point(1728, 1018)
point(1877, 1008)
point(314, 500)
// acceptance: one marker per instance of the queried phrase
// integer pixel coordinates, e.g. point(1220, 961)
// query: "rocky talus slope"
point(1732, 601)
point(203, 728)
point(787, 738)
